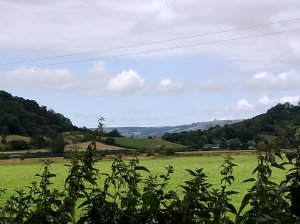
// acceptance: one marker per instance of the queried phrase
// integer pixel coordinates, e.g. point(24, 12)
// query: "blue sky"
point(224, 80)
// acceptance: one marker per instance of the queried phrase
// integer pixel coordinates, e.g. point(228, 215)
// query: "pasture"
point(143, 143)
point(19, 175)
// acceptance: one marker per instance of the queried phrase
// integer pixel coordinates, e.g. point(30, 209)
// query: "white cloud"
point(57, 27)
point(290, 99)
point(264, 100)
point(97, 81)
point(167, 86)
point(243, 104)
point(267, 81)
point(126, 82)
point(38, 78)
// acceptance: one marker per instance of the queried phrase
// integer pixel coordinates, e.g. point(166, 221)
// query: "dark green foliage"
point(57, 143)
point(223, 143)
point(234, 144)
point(16, 145)
point(110, 141)
point(26, 117)
point(38, 141)
point(245, 131)
point(114, 133)
point(166, 150)
point(3, 139)
point(130, 193)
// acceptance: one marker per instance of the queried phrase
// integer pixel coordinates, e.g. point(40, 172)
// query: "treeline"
point(26, 117)
point(243, 135)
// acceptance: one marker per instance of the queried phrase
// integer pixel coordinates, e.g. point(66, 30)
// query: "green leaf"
point(279, 166)
point(141, 168)
point(231, 192)
point(231, 208)
point(249, 180)
point(245, 202)
point(191, 172)
point(82, 220)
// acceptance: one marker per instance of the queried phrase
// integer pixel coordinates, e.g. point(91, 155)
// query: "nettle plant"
point(130, 193)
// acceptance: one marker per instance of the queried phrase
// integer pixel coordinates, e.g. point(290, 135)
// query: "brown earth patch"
point(100, 146)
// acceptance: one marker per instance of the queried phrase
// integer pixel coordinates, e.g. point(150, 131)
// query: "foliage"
point(38, 141)
point(110, 141)
point(16, 145)
point(27, 117)
point(114, 133)
point(255, 129)
point(57, 144)
point(3, 139)
point(130, 193)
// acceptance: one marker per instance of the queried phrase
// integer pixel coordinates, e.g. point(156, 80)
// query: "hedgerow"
point(132, 194)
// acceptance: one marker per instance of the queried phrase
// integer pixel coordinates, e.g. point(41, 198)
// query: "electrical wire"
point(153, 51)
point(148, 43)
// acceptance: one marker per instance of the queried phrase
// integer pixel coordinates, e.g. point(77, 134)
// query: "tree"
point(234, 144)
point(223, 143)
point(57, 143)
point(38, 141)
point(114, 133)
point(110, 141)
point(3, 139)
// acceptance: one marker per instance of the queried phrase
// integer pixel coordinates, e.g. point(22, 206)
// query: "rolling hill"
point(144, 132)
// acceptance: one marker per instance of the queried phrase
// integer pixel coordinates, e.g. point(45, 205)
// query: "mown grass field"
point(16, 176)
point(143, 143)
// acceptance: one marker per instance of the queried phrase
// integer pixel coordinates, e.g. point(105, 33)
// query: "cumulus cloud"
point(167, 86)
point(243, 104)
point(290, 99)
point(264, 100)
point(266, 81)
point(126, 82)
point(38, 78)
point(97, 81)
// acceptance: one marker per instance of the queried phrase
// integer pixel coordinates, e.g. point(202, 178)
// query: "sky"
point(151, 62)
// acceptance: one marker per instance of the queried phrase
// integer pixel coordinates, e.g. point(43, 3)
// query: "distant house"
point(211, 147)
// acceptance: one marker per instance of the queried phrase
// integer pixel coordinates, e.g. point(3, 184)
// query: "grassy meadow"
point(143, 143)
point(19, 175)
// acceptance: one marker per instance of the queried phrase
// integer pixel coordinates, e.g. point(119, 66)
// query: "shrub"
point(16, 145)
point(166, 151)
point(110, 141)
point(38, 142)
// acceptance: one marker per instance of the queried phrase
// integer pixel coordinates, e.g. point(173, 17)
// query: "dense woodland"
point(246, 134)
point(26, 117)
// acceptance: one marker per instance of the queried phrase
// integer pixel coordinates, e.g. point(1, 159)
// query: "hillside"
point(144, 132)
point(250, 132)
point(26, 117)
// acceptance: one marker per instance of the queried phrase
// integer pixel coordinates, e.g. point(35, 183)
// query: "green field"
point(15, 176)
point(143, 143)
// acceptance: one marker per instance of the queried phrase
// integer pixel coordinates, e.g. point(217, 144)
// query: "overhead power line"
point(156, 50)
point(147, 43)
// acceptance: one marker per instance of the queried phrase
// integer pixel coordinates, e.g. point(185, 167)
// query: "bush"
point(130, 193)
point(38, 142)
point(57, 143)
point(16, 145)
point(110, 141)
point(166, 151)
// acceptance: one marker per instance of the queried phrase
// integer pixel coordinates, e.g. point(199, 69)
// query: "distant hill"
point(144, 132)
point(243, 134)
point(26, 117)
